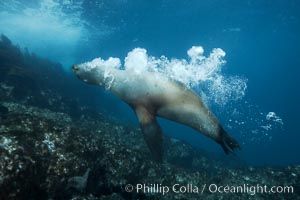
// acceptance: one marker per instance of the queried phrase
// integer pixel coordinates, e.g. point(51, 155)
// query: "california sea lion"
point(151, 94)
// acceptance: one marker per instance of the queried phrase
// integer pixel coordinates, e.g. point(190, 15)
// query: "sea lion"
point(151, 94)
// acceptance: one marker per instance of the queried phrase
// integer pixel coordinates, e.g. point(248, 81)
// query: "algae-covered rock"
point(45, 154)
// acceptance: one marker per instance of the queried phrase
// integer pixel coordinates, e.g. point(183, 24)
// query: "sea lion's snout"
point(75, 68)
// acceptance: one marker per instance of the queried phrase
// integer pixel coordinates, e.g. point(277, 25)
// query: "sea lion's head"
point(90, 76)
point(96, 71)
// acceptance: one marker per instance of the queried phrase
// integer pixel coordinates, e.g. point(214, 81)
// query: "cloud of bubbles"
point(197, 72)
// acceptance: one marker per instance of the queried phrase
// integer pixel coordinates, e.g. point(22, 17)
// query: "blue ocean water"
point(260, 38)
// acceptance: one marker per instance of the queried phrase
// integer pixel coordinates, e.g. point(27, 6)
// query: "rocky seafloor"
point(53, 146)
point(47, 155)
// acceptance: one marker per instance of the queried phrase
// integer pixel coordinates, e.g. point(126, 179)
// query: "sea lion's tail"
point(228, 143)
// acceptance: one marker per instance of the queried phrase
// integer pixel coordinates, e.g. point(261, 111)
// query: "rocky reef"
point(48, 155)
point(54, 146)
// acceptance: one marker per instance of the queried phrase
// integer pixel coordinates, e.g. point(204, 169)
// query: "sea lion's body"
point(167, 98)
point(151, 94)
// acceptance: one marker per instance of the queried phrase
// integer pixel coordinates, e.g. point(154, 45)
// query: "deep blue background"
point(260, 38)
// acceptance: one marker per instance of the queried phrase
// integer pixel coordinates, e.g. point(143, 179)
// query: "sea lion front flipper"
point(151, 131)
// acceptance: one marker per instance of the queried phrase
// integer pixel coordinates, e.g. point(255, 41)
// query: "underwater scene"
point(161, 99)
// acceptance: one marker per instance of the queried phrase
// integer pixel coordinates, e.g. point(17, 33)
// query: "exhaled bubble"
point(271, 116)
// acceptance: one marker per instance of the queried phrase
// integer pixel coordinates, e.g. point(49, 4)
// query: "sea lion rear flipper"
point(151, 131)
point(228, 143)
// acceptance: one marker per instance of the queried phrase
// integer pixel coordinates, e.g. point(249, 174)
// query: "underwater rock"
point(108, 155)
point(19, 109)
